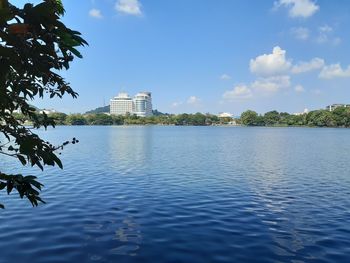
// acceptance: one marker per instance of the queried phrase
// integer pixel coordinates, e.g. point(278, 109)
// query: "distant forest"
point(339, 117)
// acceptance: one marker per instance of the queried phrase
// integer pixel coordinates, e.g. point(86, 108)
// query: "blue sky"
point(211, 55)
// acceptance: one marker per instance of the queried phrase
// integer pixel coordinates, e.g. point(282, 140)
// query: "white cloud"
point(325, 29)
point(176, 104)
point(225, 77)
point(324, 32)
point(193, 100)
point(316, 92)
point(298, 8)
point(325, 35)
point(313, 64)
point(301, 33)
point(238, 92)
point(334, 71)
point(299, 88)
point(95, 13)
point(129, 7)
point(270, 64)
point(271, 84)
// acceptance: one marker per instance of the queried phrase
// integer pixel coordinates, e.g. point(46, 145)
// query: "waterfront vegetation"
point(197, 119)
point(340, 117)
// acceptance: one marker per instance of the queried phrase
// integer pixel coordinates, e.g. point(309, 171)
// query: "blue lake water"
point(186, 194)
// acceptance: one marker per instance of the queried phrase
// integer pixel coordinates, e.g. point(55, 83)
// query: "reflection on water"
point(187, 194)
point(130, 146)
point(129, 234)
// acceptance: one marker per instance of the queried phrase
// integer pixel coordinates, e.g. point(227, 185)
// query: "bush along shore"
point(340, 117)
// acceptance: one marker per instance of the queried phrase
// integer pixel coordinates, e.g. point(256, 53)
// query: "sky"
point(210, 55)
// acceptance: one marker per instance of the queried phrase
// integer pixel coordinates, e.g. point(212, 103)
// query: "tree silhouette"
point(34, 46)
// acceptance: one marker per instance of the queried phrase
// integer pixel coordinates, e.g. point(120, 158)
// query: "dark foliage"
point(34, 46)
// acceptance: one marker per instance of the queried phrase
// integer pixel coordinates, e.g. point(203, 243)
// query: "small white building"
point(306, 111)
point(225, 115)
point(47, 111)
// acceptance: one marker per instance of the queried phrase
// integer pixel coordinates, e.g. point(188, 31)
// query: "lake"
point(186, 194)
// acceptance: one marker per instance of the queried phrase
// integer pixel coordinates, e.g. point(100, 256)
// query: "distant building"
point(121, 104)
point(301, 113)
point(334, 106)
point(225, 115)
point(143, 104)
point(47, 111)
point(140, 105)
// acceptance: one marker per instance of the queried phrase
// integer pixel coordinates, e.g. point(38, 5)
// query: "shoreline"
point(172, 125)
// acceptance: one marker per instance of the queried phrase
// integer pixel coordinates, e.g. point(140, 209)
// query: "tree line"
point(339, 117)
point(197, 119)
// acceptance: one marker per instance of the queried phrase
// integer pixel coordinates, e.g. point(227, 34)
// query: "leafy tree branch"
point(34, 47)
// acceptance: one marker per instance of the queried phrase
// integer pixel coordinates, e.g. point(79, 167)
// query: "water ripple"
point(187, 194)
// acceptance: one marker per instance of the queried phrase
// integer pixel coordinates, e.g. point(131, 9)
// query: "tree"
point(321, 118)
point(271, 118)
point(99, 119)
point(34, 46)
point(250, 118)
point(76, 119)
point(59, 118)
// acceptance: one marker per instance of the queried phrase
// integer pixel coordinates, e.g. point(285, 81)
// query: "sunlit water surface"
point(186, 194)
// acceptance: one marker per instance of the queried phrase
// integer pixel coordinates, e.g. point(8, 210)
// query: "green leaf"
point(5, 14)
point(39, 199)
point(9, 187)
point(75, 52)
point(58, 161)
point(22, 159)
point(2, 185)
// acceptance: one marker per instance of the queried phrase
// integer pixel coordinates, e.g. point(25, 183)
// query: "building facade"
point(121, 104)
point(143, 104)
point(140, 105)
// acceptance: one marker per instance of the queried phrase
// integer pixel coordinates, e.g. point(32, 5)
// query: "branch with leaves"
point(34, 46)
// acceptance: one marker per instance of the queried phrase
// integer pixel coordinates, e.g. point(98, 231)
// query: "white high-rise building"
point(121, 104)
point(143, 104)
point(140, 105)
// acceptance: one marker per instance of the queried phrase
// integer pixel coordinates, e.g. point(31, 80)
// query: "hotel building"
point(143, 104)
point(140, 105)
point(121, 104)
